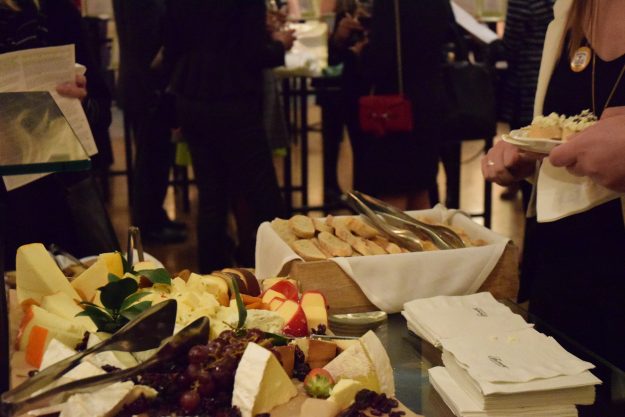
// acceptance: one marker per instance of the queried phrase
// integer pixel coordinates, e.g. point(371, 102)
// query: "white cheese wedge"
point(38, 275)
point(366, 362)
point(354, 364)
point(81, 371)
point(344, 392)
point(87, 283)
point(107, 401)
point(260, 382)
point(121, 360)
point(381, 362)
point(56, 351)
point(63, 305)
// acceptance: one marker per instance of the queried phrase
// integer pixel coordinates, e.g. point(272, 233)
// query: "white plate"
point(519, 139)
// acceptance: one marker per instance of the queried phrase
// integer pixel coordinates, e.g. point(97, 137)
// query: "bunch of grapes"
point(202, 383)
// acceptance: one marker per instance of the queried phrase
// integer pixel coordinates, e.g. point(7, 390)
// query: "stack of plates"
point(356, 324)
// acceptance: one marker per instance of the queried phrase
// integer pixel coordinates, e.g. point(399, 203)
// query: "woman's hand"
point(286, 37)
point(598, 152)
point(77, 89)
point(346, 26)
point(505, 164)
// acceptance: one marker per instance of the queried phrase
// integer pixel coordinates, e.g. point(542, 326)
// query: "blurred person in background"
point(150, 112)
point(398, 168)
point(63, 208)
point(215, 52)
point(576, 277)
point(523, 41)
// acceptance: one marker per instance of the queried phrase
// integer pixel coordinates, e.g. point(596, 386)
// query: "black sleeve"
point(257, 47)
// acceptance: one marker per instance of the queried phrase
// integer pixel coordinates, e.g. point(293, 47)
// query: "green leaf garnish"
point(240, 305)
point(133, 311)
point(131, 299)
point(99, 317)
point(125, 265)
point(277, 340)
point(114, 293)
point(156, 276)
point(113, 277)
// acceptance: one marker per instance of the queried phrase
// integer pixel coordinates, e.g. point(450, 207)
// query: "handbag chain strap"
point(400, 69)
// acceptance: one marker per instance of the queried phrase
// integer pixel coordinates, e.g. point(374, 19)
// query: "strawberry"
point(318, 383)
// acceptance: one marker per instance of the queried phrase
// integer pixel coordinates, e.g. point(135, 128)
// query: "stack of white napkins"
point(516, 373)
point(496, 364)
point(438, 318)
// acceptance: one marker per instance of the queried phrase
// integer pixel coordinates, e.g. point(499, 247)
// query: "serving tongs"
point(443, 237)
point(147, 331)
point(402, 237)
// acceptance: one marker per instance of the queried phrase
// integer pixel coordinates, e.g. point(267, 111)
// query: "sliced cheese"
point(63, 305)
point(344, 392)
point(105, 402)
point(57, 327)
point(55, 352)
point(354, 364)
point(87, 283)
point(260, 382)
point(38, 275)
point(381, 362)
point(113, 261)
point(121, 360)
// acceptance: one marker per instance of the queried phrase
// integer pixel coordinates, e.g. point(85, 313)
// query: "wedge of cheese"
point(260, 382)
point(87, 283)
point(367, 363)
point(344, 392)
point(64, 306)
point(38, 275)
point(105, 402)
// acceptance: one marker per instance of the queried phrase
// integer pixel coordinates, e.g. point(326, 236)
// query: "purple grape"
point(198, 354)
point(189, 401)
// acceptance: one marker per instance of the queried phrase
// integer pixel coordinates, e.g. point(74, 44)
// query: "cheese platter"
point(259, 353)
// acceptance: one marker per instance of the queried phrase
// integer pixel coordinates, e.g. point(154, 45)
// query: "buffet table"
point(412, 357)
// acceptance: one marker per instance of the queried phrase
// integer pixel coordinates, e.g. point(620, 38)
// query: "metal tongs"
point(380, 212)
point(147, 331)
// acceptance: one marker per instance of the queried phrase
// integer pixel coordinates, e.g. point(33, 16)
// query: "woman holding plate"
point(574, 257)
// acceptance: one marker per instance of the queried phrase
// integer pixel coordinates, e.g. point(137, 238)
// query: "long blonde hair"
point(579, 23)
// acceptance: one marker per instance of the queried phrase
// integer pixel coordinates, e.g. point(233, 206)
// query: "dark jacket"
point(216, 49)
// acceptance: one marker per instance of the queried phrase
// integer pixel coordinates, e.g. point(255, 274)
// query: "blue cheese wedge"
point(121, 360)
point(260, 382)
point(55, 352)
point(105, 402)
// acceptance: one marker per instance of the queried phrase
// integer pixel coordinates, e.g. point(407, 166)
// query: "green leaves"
point(120, 301)
point(240, 305)
point(156, 276)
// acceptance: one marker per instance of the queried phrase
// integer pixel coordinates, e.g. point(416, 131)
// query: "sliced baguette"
point(282, 228)
point(302, 226)
point(307, 249)
point(334, 245)
point(374, 248)
point(387, 245)
point(356, 242)
point(362, 229)
point(327, 253)
point(321, 226)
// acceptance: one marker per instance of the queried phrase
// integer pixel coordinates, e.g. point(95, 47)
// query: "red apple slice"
point(315, 308)
point(294, 319)
point(286, 288)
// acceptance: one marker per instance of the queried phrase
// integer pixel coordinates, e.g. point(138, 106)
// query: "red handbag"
point(382, 114)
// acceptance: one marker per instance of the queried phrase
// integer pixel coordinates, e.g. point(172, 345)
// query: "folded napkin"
point(463, 406)
point(560, 194)
point(518, 356)
point(445, 317)
point(389, 281)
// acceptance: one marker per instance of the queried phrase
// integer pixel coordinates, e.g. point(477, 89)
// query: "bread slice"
point(302, 226)
point(334, 245)
point(307, 249)
point(387, 245)
point(321, 226)
point(327, 253)
point(393, 248)
point(356, 242)
point(374, 248)
point(282, 228)
point(361, 228)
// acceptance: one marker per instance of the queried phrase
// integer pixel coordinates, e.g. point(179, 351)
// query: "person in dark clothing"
point(216, 52)
point(63, 208)
point(146, 107)
point(399, 168)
